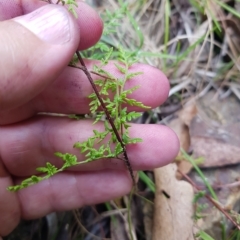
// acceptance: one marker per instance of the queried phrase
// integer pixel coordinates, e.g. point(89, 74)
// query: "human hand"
point(34, 53)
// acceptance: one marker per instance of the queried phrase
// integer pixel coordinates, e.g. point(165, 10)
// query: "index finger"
point(69, 93)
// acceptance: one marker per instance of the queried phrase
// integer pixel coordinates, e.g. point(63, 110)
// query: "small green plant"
point(71, 4)
point(112, 111)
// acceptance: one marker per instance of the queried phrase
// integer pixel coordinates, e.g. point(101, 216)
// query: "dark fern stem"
point(108, 116)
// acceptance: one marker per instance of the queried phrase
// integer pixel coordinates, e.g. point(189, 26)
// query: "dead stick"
point(210, 199)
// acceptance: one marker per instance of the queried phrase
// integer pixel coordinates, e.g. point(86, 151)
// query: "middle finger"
point(29, 145)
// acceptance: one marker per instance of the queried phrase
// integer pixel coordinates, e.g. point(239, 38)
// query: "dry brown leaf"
point(180, 127)
point(184, 167)
point(215, 131)
point(182, 132)
point(188, 113)
point(172, 214)
point(233, 201)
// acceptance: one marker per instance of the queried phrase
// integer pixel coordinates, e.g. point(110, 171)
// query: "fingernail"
point(50, 23)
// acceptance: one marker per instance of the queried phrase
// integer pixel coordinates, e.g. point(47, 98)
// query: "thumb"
point(34, 49)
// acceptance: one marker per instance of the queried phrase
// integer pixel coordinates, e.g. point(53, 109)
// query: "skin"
point(34, 77)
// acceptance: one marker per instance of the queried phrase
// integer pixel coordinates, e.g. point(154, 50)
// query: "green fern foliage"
point(113, 92)
point(72, 5)
point(112, 86)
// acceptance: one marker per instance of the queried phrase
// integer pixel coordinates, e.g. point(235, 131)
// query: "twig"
point(111, 122)
point(222, 186)
point(210, 199)
point(229, 185)
point(93, 72)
